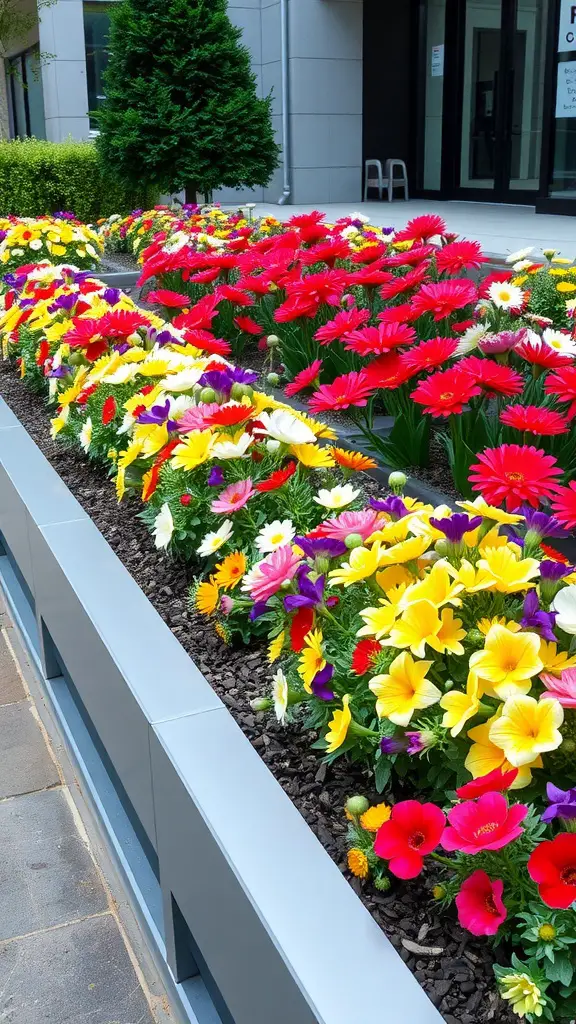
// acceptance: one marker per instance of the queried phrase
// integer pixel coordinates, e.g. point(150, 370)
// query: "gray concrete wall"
point(64, 76)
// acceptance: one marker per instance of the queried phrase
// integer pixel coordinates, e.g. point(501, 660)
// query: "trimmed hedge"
point(38, 177)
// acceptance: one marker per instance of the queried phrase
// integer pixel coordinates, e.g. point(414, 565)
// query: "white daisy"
point(522, 265)
point(337, 497)
point(360, 216)
point(283, 426)
point(182, 381)
point(163, 527)
point(565, 605)
point(213, 541)
point(560, 341)
point(275, 535)
point(505, 295)
point(469, 340)
point(86, 435)
point(35, 244)
point(280, 695)
point(521, 254)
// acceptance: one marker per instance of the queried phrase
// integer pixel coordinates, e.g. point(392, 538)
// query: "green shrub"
point(39, 177)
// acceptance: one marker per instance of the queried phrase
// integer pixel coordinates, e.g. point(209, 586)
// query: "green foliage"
point(181, 107)
point(38, 177)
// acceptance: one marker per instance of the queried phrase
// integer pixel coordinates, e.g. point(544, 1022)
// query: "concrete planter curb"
point(251, 901)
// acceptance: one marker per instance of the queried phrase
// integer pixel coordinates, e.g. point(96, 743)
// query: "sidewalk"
point(500, 228)
point(63, 954)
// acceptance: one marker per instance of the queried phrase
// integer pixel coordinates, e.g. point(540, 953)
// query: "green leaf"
point(561, 970)
point(382, 773)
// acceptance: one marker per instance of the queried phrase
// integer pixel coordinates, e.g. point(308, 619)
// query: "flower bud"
point(547, 932)
point(272, 341)
point(356, 805)
point(239, 391)
point(438, 892)
point(397, 481)
point(568, 746)
point(353, 540)
point(448, 685)
point(185, 499)
point(273, 380)
point(383, 884)
point(441, 546)
point(261, 704)
point(208, 395)
point(549, 253)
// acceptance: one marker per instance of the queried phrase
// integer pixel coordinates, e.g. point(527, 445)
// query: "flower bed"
point(57, 239)
point(465, 620)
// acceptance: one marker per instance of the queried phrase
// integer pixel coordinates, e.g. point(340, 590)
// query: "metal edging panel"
point(283, 937)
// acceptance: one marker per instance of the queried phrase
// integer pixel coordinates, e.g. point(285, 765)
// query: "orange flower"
point(358, 863)
point(352, 460)
point(230, 571)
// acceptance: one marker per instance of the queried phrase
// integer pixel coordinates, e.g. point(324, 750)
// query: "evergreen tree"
point(181, 109)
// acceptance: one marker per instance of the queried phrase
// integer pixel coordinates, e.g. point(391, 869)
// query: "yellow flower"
point(338, 726)
point(59, 422)
point(358, 863)
point(527, 727)
point(485, 625)
point(406, 551)
point(523, 994)
point(508, 661)
point(509, 574)
point(450, 634)
point(437, 587)
point(196, 449)
point(393, 576)
point(153, 437)
point(555, 661)
point(460, 707)
point(231, 570)
point(374, 817)
point(312, 658)
point(479, 507)
point(362, 564)
point(484, 757)
point(566, 286)
point(312, 456)
point(275, 647)
point(404, 689)
point(391, 533)
point(472, 579)
point(418, 625)
point(207, 597)
point(378, 621)
point(352, 460)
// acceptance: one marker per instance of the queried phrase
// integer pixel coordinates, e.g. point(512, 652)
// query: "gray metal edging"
point(284, 938)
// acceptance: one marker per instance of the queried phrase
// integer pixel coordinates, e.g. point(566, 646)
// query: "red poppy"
point(458, 256)
point(248, 325)
point(276, 479)
point(495, 781)
point(496, 277)
point(170, 299)
point(305, 379)
point(484, 824)
point(344, 322)
point(429, 354)
point(533, 419)
point(552, 865)
point(229, 415)
point(364, 656)
point(480, 907)
point(492, 376)
point(235, 295)
point(420, 229)
point(412, 831)
point(447, 392)
point(388, 371)
point(349, 389)
point(108, 410)
point(562, 384)
point(396, 314)
point(379, 340)
point(535, 351)
point(443, 298)
point(300, 626)
point(43, 353)
point(564, 506)
point(515, 474)
point(326, 252)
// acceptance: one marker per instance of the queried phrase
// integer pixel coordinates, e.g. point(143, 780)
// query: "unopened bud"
point(356, 805)
point(448, 685)
point(272, 341)
point(208, 395)
point(438, 892)
point(383, 884)
point(240, 391)
point(397, 481)
point(273, 380)
point(441, 546)
point(353, 540)
point(261, 704)
point(549, 253)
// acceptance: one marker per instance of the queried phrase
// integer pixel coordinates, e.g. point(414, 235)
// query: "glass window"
point(528, 94)
point(563, 184)
point(26, 96)
point(96, 30)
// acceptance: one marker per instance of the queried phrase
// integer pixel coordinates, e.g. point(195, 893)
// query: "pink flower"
point(563, 688)
point(226, 604)
point(484, 824)
point(365, 523)
point(233, 497)
point(268, 576)
point(479, 902)
point(307, 377)
point(195, 417)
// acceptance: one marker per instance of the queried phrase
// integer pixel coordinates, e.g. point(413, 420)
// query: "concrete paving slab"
point(11, 688)
point(25, 763)
point(47, 876)
point(78, 974)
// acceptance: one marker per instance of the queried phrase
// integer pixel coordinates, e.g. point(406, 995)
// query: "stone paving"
point(63, 958)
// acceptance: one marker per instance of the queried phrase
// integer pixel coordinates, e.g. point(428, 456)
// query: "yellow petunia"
point(275, 647)
point(437, 587)
point(509, 573)
point(363, 563)
point(484, 757)
point(390, 532)
point(480, 507)
point(418, 625)
point(555, 661)
point(312, 456)
point(450, 634)
point(312, 658)
point(338, 726)
point(527, 727)
point(508, 661)
point(393, 576)
point(460, 707)
point(406, 551)
point(378, 621)
point(404, 689)
point(195, 450)
point(485, 625)
point(471, 578)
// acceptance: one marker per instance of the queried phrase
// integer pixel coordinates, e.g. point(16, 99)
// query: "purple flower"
point(390, 746)
point(219, 380)
point(554, 571)
point(156, 415)
point(562, 803)
point(111, 295)
point(393, 505)
point(66, 302)
point(240, 376)
point(540, 525)
point(454, 527)
point(3, 235)
point(320, 682)
point(258, 609)
point(15, 280)
point(78, 276)
point(534, 618)
point(215, 477)
point(311, 594)
point(64, 215)
point(416, 743)
point(59, 371)
point(313, 546)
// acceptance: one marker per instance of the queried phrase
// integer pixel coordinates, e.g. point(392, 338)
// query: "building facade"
point(478, 97)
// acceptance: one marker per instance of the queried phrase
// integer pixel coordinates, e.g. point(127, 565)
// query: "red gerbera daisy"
point(369, 253)
point(165, 297)
point(229, 415)
point(200, 315)
point(84, 332)
point(326, 252)
point(564, 508)
point(305, 379)
point(349, 389)
point(204, 276)
point(492, 376)
point(276, 479)
point(108, 410)
point(206, 341)
point(326, 286)
point(248, 325)
point(388, 371)
point(396, 314)
point(534, 350)
point(515, 474)
point(300, 626)
point(370, 276)
point(364, 656)
point(343, 323)
point(553, 553)
point(429, 354)
point(379, 340)
point(120, 323)
point(420, 229)
point(412, 258)
point(410, 280)
point(447, 392)
point(462, 326)
point(42, 353)
point(443, 298)
point(552, 865)
point(235, 295)
point(458, 256)
point(562, 384)
point(534, 420)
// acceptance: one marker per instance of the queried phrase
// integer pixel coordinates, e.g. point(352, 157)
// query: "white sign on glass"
point(567, 32)
point(437, 66)
point(566, 91)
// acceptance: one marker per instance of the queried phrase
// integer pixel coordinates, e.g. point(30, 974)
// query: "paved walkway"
point(63, 956)
point(500, 228)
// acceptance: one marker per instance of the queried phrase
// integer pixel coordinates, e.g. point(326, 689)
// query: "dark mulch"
point(453, 967)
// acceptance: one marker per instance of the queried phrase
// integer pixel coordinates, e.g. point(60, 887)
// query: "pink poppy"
point(479, 902)
point(268, 576)
point(562, 687)
point(233, 497)
point(484, 824)
point(195, 418)
point(365, 523)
